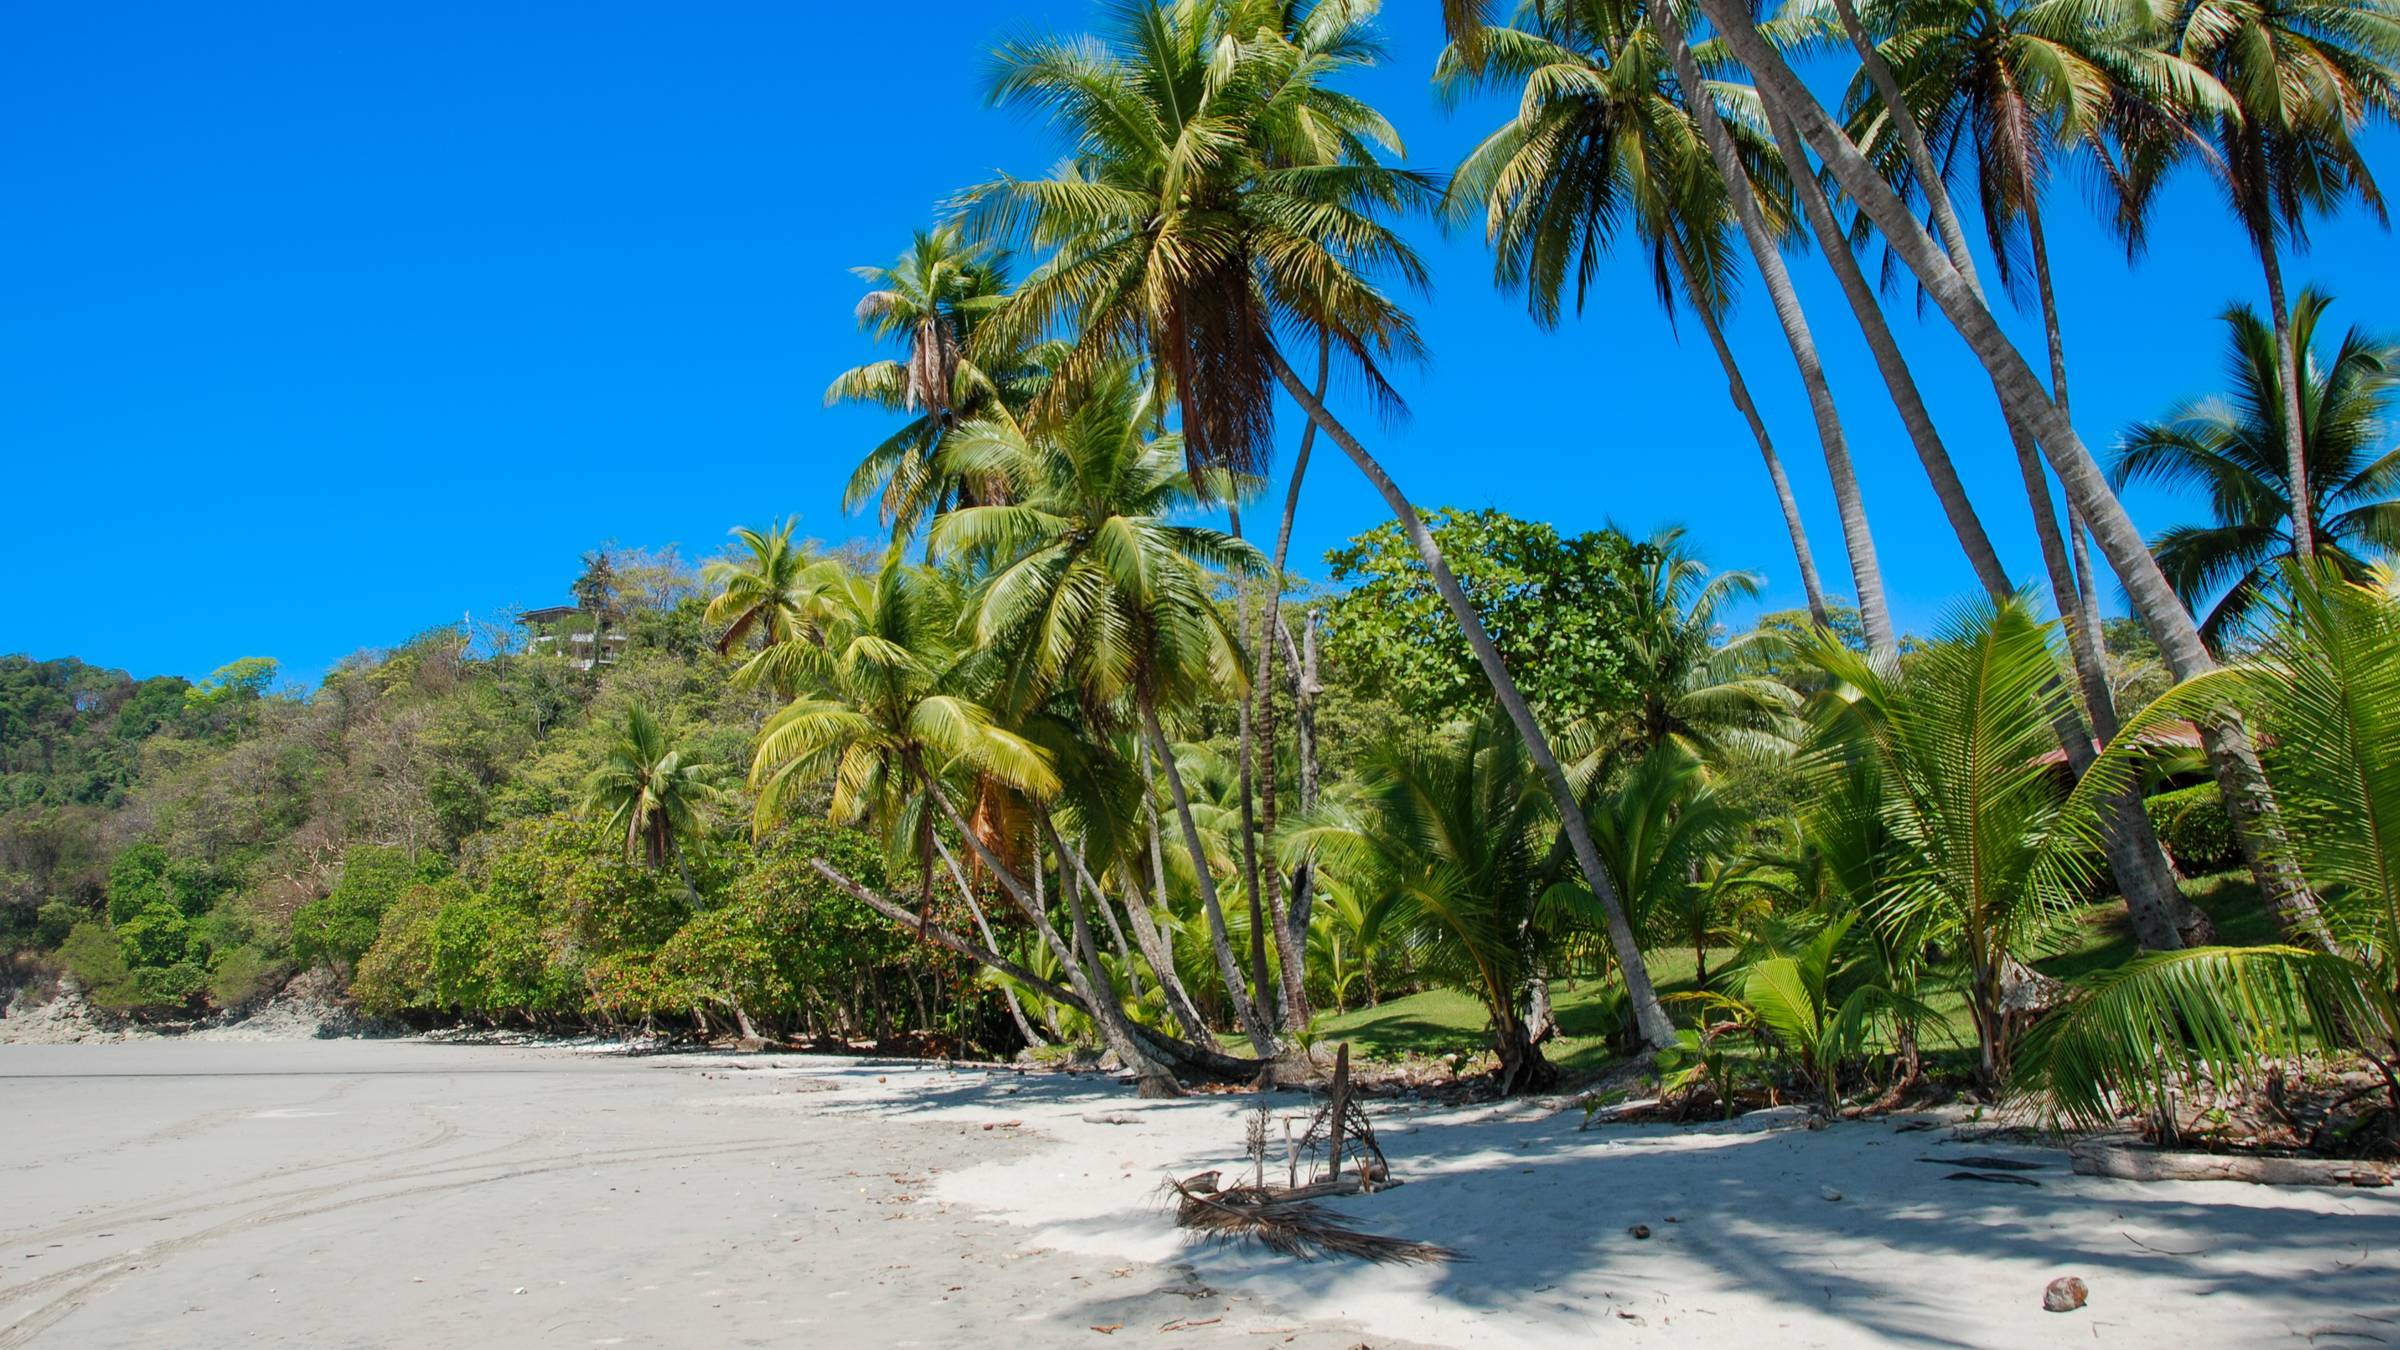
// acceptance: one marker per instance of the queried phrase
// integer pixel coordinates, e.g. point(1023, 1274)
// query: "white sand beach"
point(371, 1193)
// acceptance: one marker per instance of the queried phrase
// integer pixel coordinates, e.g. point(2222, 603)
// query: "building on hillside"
point(568, 630)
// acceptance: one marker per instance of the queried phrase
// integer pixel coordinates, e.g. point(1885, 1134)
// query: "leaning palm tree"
point(2300, 76)
point(649, 791)
point(2026, 402)
point(1597, 142)
point(1185, 227)
point(2231, 448)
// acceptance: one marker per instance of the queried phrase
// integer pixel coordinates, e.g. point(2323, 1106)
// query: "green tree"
point(647, 788)
point(1558, 609)
point(768, 594)
point(2230, 447)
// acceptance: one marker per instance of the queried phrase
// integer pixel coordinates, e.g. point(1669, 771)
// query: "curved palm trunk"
point(966, 892)
point(2163, 920)
point(1939, 469)
point(1291, 938)
point(2249, 799)
point(1157, 1079)
point(1738, 389)
point(1262, 1037)
point(1657, 1031)
point(1913, 144)
point(1154, 943)
point(1865, 571)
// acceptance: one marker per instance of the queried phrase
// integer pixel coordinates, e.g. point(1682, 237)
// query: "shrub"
point(136, 881)
point(240, 975)
point(55, 920)
point(2193, 825)
point(158, 936)
point(337, 929)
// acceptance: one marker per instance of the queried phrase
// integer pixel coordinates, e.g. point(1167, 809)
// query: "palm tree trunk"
point(1913, 144)
point(2249, 799)
point(1262, 1036)
point(1291, 940)
point(1939, 470)
point(2295, 434)
point(1246, 718)
point(1305, 688)
point(958, 875)
point(1649, 1015)
point(1738, 389)
point(1156, 1078)
point(1865, 571)
point(1154, 943)
point(2162, 918)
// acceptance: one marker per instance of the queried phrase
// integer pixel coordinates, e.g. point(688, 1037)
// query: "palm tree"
point(929, 302)
point(1088, 587)
point(1186, 225)
point(2327, 683)
point(1661, 829)
point(648, 790)
point(2299, 76)
point(1706, 698)
point(769, 595)
point(2231, 447)
point(1449, 841)
point(1598, 140)
point(1993, 858)
point(1765, 253)
point(2026, 403)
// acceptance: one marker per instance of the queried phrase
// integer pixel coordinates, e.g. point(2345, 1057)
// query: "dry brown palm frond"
point(1298, 1228)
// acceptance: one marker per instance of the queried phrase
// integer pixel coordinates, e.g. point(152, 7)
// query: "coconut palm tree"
point(2230, 446)
point(929, 303)
point(1694, 691)
point(1765, 252)
point(1185, 227)
point(649, 790)
point(1087, 585)
point(2299, 78)
point(2027, 405)
point(1598, 140)
point(767, 595)
point(1994, 859)
point(2327, 683)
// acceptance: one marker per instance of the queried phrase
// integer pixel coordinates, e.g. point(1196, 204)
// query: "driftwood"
point(2128, 1162)
point(1288, 1221)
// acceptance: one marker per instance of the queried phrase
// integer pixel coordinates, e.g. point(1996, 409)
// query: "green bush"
point(136, 881)
point(337, 929)
point(158, 936)
point(56, 919)
point(240, 975)
point(2193, 825)
point(170, 987)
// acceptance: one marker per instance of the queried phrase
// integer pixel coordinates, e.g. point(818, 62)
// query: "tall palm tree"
point(929, 302)
point(1597, 140)
point(1765, 253)
point(2301, 76)
point(1088, 587)
point(1184, 229)
point(2026, 403)
point(648, 790)
point(2231, 447)
point(1696, 693)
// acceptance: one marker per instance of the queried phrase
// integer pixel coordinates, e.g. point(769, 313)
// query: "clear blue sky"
point(325, 324)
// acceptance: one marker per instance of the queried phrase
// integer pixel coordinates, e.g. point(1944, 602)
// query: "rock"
point(1640, 1231)
point(1829, 1193)
point(2064, 1294)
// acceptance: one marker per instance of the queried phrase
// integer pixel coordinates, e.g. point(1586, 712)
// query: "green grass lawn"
point(1441, 1021)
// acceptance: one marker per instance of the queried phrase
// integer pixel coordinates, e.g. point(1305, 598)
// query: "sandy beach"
point(373, 1193)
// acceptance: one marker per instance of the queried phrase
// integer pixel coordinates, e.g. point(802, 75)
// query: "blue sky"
point(325, 324)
